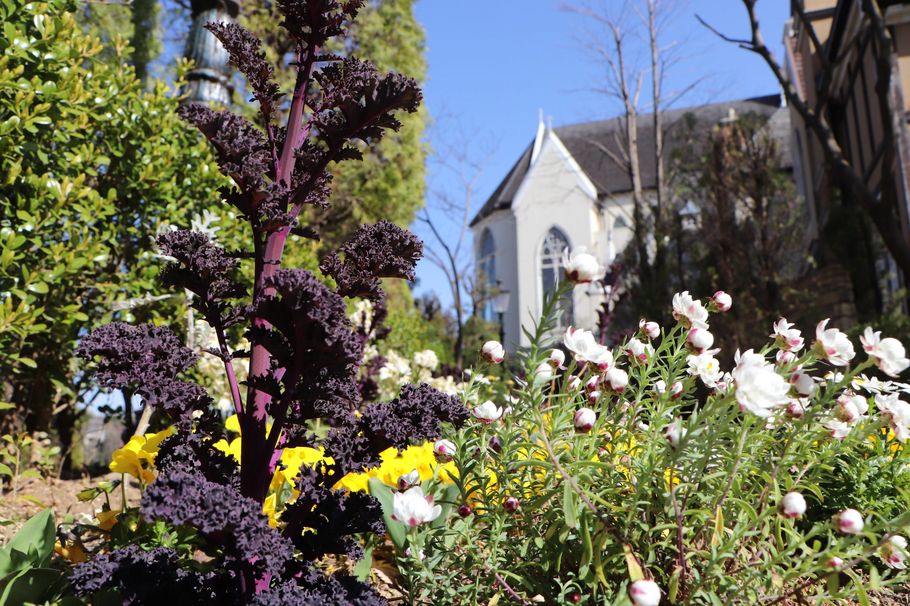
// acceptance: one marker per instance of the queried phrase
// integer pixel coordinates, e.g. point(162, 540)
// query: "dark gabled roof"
point(596, 147)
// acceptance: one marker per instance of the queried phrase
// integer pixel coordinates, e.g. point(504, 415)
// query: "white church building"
point(569, 189)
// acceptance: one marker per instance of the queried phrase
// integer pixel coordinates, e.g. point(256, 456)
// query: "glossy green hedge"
point(91, 165)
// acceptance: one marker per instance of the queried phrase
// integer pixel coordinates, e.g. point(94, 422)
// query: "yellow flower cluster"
point(137, 457)
point(889, 438)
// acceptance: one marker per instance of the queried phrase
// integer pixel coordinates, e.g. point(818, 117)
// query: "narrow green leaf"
point(568, 505)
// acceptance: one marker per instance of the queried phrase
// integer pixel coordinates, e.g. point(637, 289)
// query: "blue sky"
point(494, 64)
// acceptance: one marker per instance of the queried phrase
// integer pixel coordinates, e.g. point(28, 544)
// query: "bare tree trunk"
point(660, 273)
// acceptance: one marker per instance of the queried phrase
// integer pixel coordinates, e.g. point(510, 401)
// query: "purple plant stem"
point(256, 456)
point(229, 371)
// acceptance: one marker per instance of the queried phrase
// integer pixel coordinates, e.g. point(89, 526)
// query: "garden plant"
point(206, 534)
point(646, 474)
point(568, 472)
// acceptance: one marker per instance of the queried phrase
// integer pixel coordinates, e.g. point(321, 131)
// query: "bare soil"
point(33, 495)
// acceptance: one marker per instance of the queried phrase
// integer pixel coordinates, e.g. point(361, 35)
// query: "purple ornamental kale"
point(147, 360)
point(148, 578)
point(224, 517)
point(304, 355)
point(383, 250)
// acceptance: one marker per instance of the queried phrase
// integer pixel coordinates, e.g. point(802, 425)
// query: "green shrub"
point(91, 165)
point(677, 476)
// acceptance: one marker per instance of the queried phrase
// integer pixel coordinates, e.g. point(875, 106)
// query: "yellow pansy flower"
point(137, 457)
point(107, 518)
point(74, 553)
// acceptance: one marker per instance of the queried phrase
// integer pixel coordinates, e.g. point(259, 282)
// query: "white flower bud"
point(796, 409)
point(700, 339)
point(674, 432)
point(585, 419)
point(618, 379)
point(592, 383)
point(849, 521)
point(487, 412)
point(644, 593)
point(493, 352)
point(649, 329)
point(676, 389)
point(722, 301)
point(574, 383)
point(803, 383)
point(557, 358)
point(581, 267)
point(793, 505)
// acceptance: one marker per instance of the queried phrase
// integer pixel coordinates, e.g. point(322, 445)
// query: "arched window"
point(551, 272)
point(486, 265)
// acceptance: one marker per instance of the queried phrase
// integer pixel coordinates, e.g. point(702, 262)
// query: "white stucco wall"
point(502, 227)
point(555, 193)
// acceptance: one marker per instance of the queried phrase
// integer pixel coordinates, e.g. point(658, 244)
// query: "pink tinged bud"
point(618, 379)
point(407, 480)
point(444, 450)
point(785, 358)
point(674, 432)
point(592, 383)
point(649, 329)
point(847, 411)
point(644, 593)
point(557, 358)
point(593, 397)
point(496, 444)
point(849, 521)
point(511, 504)
point(796, 409)
point(836, 563)
point(584, 420)
point(487, 412)
point(722, 301)
point(574, 597)
point(464, 511)
point(700, 339)
point(894, 552)
point(574, 384)
point(676, 390)
point(793, 505)
point(493, 352)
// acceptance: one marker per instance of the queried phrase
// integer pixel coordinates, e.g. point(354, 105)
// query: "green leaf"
point(363, 567)
point(35, 539)
point(5, 470)
point(635, 571)
point(569, 506)
point(34, 585)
